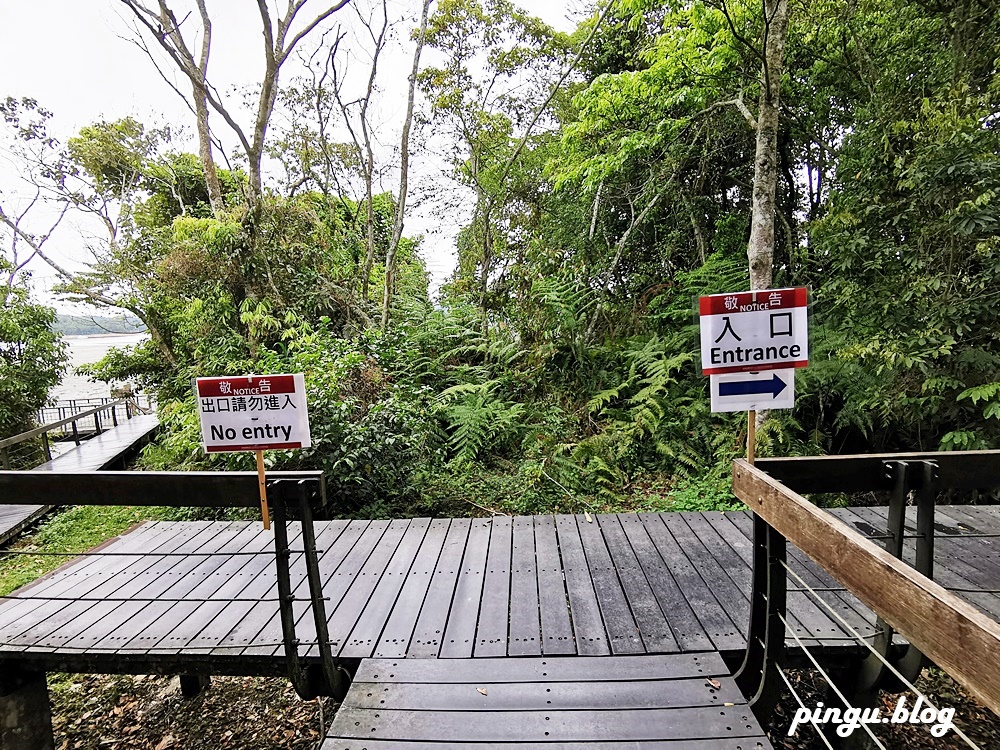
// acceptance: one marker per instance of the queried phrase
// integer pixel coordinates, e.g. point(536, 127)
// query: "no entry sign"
point(754, 331)
point(253, 413)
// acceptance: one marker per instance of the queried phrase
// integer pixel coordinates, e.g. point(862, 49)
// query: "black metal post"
point(46, 446)
point(332, 679)
point(76, 434)
point(114, 416)
point(758, 676)
point(285, 600)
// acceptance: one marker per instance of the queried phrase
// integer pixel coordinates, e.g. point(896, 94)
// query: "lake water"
point(84, 350)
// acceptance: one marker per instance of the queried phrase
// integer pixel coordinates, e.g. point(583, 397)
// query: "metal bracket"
point(308, 680)
point(758, 677)
point(907, 476)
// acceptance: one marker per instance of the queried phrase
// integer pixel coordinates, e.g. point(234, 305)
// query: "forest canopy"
point(612, 174)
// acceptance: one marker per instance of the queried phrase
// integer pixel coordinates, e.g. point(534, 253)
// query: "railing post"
point(285, 599)
point(114, 416)
point(758, 677)
point(5, 459)
point(76, 433)
point(48, 448)
point(332, 680)
point(97, 422)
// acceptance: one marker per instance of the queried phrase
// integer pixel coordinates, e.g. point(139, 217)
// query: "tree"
point(161, 23)
point(404, 172)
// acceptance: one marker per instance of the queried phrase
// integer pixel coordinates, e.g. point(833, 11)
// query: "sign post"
point(253, 413)
point(751, 345)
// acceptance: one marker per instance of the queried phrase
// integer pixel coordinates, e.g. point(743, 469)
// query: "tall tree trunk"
point(205, 152)
point(760, 251)
point(404, 166)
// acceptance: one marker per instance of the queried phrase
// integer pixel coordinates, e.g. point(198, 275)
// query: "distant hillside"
point(83, 325)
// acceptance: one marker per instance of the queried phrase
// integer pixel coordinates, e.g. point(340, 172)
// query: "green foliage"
point(32, 360)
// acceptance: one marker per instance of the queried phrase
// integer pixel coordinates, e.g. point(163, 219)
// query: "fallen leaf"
point(481, 690)
point(166, 742)
point(728, 704)
point(590, 518)
point(713, 683)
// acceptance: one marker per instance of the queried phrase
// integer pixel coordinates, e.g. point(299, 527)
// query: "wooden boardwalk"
point(538, 586)
point(99, 452)
point(680, 702)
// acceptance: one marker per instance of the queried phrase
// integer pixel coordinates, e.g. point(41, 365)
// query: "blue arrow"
point(774, 386)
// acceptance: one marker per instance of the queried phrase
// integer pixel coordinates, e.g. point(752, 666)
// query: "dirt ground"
point(124, 712)
point(115, 712)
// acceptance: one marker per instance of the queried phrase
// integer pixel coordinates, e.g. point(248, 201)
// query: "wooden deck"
point(586, 703)
point(660, 583)
point(99, 452)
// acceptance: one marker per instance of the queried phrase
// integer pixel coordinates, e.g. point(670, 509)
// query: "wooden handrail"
point(955, 635)
point(178, 489)
point(959, 470)
point(20, 438)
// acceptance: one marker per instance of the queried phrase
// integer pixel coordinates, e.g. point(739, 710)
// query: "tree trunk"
point(404, 166)
point(760, 251)
point(205, 152)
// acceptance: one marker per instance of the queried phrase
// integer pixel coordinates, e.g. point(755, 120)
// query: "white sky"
point(71, 55)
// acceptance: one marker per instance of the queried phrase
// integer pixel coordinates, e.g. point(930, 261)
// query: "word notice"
point(754, 331)
point(253, 413)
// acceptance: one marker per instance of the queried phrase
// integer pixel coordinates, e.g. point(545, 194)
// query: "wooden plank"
point(371, 620)
point(89, 609)
point(525, 628)
point(687, 631)
point(562, 696)
point(950, 571)
point(713, 618)
point(350, 588)
point(262, 625)
point(951, 632)
point(460, 632)
point(588, 625)
point(199, 582)
point(623, 635)
point(555, 726)
point(576, 669)
point(433, 618)
point(842, 601)
point(557, 632)
point(491, 636)
point(402, 620)
point(81, 577)
point(255, 580)
point(744, 743)
point(804, 615)
point(653, 627)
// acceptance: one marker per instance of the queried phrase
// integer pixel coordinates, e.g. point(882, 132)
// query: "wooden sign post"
point(264, 514)
point(253, 413)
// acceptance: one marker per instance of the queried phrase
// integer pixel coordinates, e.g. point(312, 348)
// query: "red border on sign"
point(251, 447)
point(756, 368)
point(277, 385)
point(715, 304)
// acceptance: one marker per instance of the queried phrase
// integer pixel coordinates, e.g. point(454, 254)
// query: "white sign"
point(753, 391)
point(754, 331)
point(253, 413)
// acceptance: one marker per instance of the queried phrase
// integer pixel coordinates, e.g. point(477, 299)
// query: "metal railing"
point(69, 407)
point(289, 494)
point(937, 625)
point(18, 451)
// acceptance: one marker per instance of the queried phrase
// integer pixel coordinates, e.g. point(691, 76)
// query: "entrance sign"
point(755, 331)
point(753, 391)
point(253, 412)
